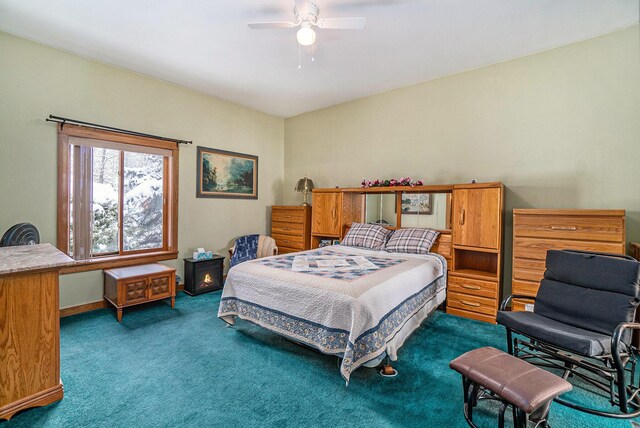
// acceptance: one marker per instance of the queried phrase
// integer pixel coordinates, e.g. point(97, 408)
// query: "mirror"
point(426, 210)
point(381, 209)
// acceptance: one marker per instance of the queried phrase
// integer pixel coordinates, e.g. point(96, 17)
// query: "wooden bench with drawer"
point(291, 228)
point(134, 285)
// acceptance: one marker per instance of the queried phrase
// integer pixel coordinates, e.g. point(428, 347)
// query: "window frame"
point(170, 202)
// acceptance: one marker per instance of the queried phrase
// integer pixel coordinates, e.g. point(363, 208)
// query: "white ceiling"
point(206, 45)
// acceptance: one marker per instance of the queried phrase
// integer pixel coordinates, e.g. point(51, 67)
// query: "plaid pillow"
point(369, 236)
point(411, 240)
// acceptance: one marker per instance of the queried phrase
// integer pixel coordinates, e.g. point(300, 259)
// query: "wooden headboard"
point(442, 245)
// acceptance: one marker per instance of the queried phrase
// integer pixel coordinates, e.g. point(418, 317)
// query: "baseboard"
point(87, 307)
point(74, 310)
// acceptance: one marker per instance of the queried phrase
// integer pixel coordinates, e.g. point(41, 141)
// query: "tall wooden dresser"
point(475, 274)
point(536, 230)
point(291, 227)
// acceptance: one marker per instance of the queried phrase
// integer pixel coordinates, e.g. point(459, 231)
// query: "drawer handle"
point(472, 304)
point(470, 287)
point(462, 217)
point(286, 228)
point(564, 228)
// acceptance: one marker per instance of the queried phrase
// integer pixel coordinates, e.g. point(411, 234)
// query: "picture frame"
point(225, 174)
point(417, 204)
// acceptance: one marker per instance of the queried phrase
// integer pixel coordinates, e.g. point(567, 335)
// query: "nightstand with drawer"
point(475, 271)
point(291, 228)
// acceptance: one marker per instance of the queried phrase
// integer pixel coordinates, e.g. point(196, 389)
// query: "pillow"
point(369, 236)
point(411, 240)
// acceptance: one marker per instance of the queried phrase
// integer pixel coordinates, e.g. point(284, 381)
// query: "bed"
point(354, 303)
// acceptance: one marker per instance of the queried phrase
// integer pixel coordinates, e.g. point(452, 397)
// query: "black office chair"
point(582, 324)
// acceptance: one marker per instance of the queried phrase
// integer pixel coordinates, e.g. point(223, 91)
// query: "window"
point(117, 197)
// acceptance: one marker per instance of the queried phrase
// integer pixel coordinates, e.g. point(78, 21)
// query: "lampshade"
point(304, 185)
point(306, 36)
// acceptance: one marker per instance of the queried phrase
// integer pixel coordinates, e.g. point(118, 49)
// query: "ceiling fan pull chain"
point(313, 53)
point(299, 54)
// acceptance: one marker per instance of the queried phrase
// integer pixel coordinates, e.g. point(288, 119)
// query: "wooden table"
point(134, 285)
point(635, 250)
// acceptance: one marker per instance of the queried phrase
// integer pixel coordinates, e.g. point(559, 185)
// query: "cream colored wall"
point(560, 128)
point(36, 81)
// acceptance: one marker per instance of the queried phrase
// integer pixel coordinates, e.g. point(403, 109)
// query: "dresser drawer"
point(475, 287)
point(287, 215)
point(584, 228)
point(520, 304)
point(471, 303)
point(287, 228)
point(290, 241)
point(528, 288)
point(134, 290)
point(528, 269)
point(472, 315)
point(534, 248)
point(287, 250)
point(160, 287)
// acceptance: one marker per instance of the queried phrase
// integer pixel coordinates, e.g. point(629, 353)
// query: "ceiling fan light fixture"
point(305, 35)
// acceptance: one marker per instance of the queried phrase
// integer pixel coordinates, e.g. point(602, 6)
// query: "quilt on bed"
point(343, 301)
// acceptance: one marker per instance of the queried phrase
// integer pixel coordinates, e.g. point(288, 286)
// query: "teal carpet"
point(184, 367)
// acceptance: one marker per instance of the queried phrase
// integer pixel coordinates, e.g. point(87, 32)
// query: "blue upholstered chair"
point(266, 247)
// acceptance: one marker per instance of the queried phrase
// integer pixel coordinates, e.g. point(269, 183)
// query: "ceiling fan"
point(306, 35)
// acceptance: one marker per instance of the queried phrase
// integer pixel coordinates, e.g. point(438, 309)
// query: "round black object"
point(20, 234)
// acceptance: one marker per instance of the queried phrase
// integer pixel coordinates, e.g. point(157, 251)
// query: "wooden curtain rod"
point(64, 120)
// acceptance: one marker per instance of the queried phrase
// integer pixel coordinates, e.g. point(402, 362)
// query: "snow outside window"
point(117, 198)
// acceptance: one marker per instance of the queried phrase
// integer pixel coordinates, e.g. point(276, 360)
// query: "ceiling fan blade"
point(342, 23)
point(295, 12)
point(270, 25)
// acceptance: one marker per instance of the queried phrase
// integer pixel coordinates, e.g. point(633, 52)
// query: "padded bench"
point(490, 373)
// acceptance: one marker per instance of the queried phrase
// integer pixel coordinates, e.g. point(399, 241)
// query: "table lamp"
point(304, 185)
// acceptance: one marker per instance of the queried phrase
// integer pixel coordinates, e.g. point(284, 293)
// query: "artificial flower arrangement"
point(406, 181)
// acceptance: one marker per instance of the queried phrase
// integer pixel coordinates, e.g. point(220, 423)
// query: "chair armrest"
point(617, 336)
point(505, 302)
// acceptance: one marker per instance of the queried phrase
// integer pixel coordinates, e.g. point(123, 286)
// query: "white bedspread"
point(349, 312)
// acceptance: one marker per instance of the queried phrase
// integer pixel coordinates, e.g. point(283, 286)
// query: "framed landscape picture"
point(418, 203)
point(223, 174)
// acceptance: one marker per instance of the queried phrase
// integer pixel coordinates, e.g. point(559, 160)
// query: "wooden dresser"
point(475, 274)
point(29, 327)
point(291, 227)
point(536, 230)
